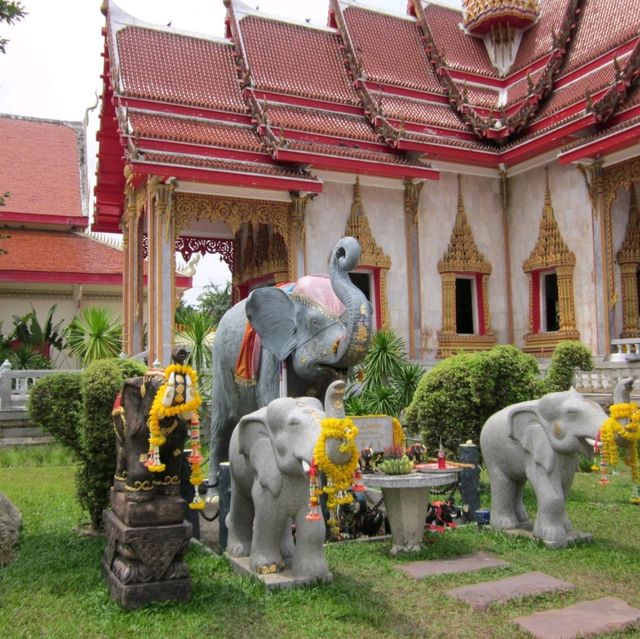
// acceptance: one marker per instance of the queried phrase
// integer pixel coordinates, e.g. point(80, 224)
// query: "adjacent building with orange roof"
point(48, 257)
point(485, 158)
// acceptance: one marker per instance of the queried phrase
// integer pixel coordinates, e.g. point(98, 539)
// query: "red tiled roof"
point(480, 96)
point(390, 50)
point(518, 90)
point(420, 112)
point(157, 65)
point(460, 50)
point(40, 168)
point(350, 152)
point(538, 40)
point(147, 125)
point(58, 252)
point(604, 24)
point(297, 60)
point(324, 122)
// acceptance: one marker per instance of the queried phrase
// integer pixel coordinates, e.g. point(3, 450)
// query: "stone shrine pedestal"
point(142, 564)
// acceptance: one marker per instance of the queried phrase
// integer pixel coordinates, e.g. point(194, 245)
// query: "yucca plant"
point(96, 335)
point(384, 359)
point(405, 382)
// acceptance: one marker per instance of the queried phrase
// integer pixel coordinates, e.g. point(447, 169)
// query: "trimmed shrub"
point(567, 356)
point(55, 406)
point(457, 396)
point(102, 381)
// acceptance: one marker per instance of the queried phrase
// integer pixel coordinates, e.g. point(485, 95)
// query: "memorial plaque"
point(374, 432)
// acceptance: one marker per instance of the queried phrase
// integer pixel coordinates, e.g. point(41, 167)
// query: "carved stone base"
point(277, 580)
point(159, 511)
point(145, 563)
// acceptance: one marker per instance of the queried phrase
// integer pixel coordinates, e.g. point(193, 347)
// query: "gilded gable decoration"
point(372, 255)
point(629, 260)
point(550, 254)
point(464, 259)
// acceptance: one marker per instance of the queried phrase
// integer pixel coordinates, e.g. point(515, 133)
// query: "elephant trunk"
point(353, 347)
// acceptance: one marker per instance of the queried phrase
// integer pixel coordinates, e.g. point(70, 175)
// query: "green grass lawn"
point(55, 589)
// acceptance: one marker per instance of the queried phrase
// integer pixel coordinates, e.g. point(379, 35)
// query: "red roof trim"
point(450, 153)
point(380, 169)
point(218, 176)
point(416, 127)
point(284, 98)
point(189, 148)
point(39, 218)
point(58, 277)
point(178, 109)
point(333, 140)
point(603, 145)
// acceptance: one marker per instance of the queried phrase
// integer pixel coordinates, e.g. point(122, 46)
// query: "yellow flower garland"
point(156, 438)
point(613, 429)
point(339, 476)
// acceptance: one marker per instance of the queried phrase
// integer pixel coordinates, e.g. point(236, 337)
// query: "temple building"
point(485, 158)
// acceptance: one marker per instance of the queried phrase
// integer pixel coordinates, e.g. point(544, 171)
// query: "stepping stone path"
point(584, 619)
point(420, 569)
point(480, 596)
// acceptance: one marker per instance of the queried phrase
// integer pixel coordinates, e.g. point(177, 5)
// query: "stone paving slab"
point(428, 568)
point(480, 596)
point(584, 619)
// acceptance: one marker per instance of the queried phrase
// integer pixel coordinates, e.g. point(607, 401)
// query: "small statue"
point(417, 453)
point(366, 460)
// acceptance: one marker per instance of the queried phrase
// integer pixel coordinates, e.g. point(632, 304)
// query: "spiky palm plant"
point(384, 359)
point(95, 335)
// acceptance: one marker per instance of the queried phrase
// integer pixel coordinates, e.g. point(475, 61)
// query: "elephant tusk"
point(305, 466)
point(592, 442)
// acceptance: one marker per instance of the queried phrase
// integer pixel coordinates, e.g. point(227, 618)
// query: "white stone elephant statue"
point(270, 453)
point(539, 440)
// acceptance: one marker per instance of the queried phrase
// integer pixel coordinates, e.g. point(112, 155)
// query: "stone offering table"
point(406, 499)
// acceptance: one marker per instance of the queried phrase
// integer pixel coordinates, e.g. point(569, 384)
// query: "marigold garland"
point(185, 409)
point(339, 476)
point(612, 431)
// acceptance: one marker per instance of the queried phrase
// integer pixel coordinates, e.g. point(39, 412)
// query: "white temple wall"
point(326, 221)
point(573, 213)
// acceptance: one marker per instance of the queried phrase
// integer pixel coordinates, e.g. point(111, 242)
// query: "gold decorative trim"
point(551, 252)
point(628, 258)
point(372, 255)
point(412, 193)
point(232, 211)
point(463, 256)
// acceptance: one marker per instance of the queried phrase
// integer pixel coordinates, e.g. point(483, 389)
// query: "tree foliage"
point(10, 12)
point(95, 335)
point(215, 301)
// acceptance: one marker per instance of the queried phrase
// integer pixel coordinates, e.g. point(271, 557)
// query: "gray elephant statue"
point(540, 441)
point(318, 327)
point(271, 452)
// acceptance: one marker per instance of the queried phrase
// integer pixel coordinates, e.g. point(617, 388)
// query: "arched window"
point(550, 269)
point(466, 323)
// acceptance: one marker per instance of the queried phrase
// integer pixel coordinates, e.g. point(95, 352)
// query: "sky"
point(53, 61)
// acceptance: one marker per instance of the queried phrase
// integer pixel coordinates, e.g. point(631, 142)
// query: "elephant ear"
point(254, 441)
point(525, 428)
point(135, 417)
point(272, 315)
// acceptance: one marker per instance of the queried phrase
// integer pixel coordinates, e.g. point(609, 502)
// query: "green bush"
point(566, 357)
point(102, 381)
point(55, 406)
point(457, 396)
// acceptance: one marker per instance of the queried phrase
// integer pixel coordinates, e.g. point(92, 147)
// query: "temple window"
point(628, 259)
point(465, 273)
point(550, 270)
point(371, 275)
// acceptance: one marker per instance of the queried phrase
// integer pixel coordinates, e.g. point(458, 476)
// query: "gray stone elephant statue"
point(271, 451)
point(540, 441)
point(319, 327)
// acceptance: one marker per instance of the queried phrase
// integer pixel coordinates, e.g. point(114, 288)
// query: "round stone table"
point(406, 498)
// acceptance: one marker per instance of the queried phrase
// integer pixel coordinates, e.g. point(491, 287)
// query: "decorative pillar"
point(505, 195)
point(565, 298)
point(448, 302)
point(297, 237)
point(629, 260)
point(132, 274)
point(411, 218)
point(161, 273)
